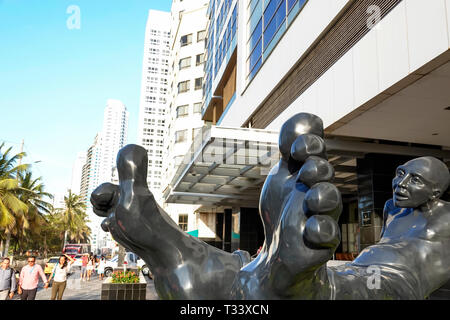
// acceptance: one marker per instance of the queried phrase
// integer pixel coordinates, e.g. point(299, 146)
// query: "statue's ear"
point(436, 194)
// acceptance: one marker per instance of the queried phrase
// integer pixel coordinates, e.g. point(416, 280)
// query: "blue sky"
point(54, 81)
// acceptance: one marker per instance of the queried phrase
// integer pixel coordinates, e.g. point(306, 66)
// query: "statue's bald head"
point(420, 181)
point(434, 170)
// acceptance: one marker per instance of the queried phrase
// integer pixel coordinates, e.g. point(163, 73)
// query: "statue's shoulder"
point(439, 221)
point(389, 206)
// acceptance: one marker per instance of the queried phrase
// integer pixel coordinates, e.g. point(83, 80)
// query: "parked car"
point(50, 264)
point(78, 262)
point(131, 260)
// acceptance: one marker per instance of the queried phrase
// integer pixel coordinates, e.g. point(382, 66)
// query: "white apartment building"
point(171, 99)
point(77, 172)
point(100, 163)
point(154, 104)
point(113, 137)
point(188, 31)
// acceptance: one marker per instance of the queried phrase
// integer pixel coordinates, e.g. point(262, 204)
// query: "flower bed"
point(130, 285)
point(124, 277)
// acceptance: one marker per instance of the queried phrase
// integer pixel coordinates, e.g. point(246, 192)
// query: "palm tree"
point(31, 192)
point(73, 215)
point(80, 232)
point(11, 207)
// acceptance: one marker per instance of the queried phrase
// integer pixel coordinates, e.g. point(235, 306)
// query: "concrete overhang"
point(226, 167)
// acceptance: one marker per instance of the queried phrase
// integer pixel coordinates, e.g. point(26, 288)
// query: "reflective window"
point(185, 40)
point(266, 19)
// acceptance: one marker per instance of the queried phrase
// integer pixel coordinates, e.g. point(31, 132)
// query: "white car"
point(78, 262)
point(131, 260)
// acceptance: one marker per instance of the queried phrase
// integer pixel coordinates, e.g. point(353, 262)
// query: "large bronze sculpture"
point(299, 208)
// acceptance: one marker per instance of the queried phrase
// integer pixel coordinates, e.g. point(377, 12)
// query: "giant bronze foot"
point(183, 267)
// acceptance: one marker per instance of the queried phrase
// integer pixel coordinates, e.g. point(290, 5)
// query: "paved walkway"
point(84, 290)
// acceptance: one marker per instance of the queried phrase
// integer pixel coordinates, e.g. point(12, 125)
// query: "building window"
point(199, 59)
point(182, 111)
point(162, 100)
point(183, 221)
point(184, 86)
point(198, 83)
point(186, 39)
point(150, 99)
point(268, 21)
point(201, 35)
point(198, 107)
point(181, 136)
point(184, 63)
point(152, 70)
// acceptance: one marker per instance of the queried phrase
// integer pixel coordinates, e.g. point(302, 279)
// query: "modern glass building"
point(154, 104)
point(221, 45)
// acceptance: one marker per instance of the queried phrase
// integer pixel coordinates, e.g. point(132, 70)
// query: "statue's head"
point(420, 181)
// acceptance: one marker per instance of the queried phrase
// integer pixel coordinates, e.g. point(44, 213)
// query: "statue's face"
point(412, 186)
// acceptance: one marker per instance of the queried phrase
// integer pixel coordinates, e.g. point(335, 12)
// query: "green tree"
point(11, 207)
point(74, 218)
point(31, 192)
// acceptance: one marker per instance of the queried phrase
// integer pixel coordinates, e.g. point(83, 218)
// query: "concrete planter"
point(124, 291)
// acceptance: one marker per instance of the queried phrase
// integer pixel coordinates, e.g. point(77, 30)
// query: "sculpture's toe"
point(315, 170)
point(323, 199)
point(322, 232)
point(307, 145)
point(104, 198)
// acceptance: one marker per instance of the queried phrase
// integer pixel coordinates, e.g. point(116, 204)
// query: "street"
point(84, 290)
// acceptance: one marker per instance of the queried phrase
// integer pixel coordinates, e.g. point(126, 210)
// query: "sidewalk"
point(84, 290)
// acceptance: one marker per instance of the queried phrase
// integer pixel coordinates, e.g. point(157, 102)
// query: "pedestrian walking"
point(84, 263)
point(59, 275)
point(94, 272)
point(101, 267)
point(29, 279)
point(90, 267)
point(7, 280)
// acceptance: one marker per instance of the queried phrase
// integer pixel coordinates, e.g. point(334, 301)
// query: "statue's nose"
point(404, 181)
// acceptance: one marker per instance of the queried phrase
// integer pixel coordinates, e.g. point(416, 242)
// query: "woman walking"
point(101, 267)
point(90, 267)
point(59, 275)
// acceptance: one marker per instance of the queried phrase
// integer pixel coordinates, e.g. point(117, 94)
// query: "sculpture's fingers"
point(321, 232)
point(315, 170)
point(307, 145)
point(104, 198)
point(323, 199)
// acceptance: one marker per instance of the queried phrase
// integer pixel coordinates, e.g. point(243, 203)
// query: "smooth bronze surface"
point(299, 208)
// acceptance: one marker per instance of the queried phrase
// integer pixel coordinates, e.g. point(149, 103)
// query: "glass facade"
point(221, 40)
point(268, 20)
